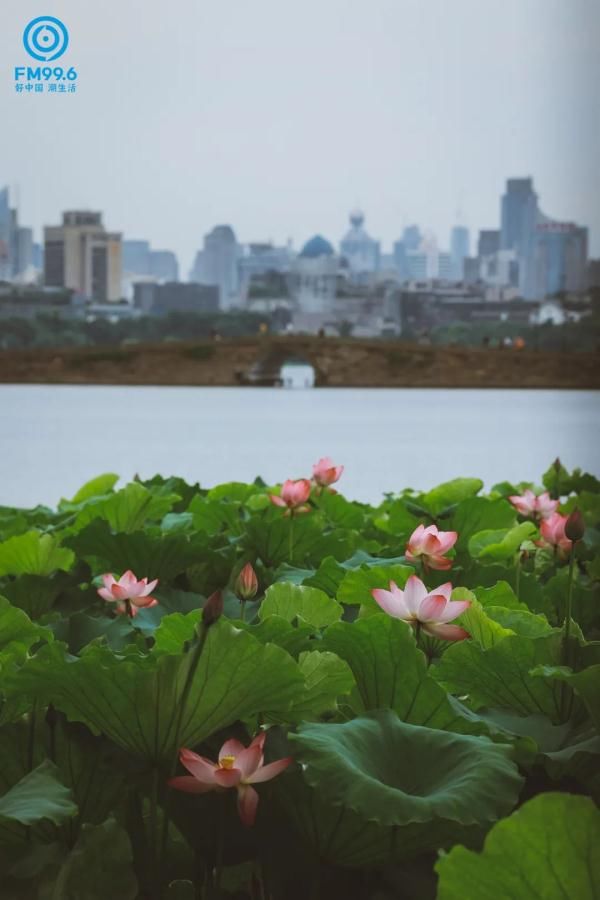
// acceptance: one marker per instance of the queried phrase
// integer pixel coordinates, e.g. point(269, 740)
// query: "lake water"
point(54, 438)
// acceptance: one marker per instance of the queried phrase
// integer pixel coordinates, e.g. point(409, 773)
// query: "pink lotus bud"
point(246, 584)
point(325, 472)
point(575, 526)
point(213, 609)
point(293, 495)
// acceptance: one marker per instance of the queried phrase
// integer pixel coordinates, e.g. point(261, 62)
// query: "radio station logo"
point(45, 39)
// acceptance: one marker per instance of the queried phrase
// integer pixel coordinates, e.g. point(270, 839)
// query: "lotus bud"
point(246, 584)
point(575, 526)
point(213, 609)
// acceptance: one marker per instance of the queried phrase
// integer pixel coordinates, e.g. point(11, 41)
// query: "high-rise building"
point(80, 254)
point(488, 242)
point(313, 278)
point(411, 238)
point(217, 263)
point(560, 258)
point(361, 251)
point(5, 236)
point(519, 217)
point(459, 250)
point(164, 265)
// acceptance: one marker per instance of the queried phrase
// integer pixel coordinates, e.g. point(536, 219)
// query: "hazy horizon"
point(278, 119)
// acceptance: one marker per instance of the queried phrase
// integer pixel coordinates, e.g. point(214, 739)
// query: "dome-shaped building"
point(313, 280)
point(317, 246)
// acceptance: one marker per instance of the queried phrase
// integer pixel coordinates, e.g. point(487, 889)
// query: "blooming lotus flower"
point(325, 472)
point(246, 584)
point(430, 611)
point(128, 593)
point(293, 495)
point(528, 504)
point(429, 545)
point(238, 767)
point(553, 535)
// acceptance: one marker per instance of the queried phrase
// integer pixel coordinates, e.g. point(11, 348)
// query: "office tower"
point(217, 263)
point(6, 237)
point(519, 217)
point(459, 250)
point(360, 250)
point(411, 238)
point(560, 258)
point(488, 242)
point(80, 254)
point(163, 265)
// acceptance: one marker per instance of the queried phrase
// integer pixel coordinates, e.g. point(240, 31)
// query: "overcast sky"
point(278, 116)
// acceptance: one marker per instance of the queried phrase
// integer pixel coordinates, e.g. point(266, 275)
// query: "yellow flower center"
point(226, 762)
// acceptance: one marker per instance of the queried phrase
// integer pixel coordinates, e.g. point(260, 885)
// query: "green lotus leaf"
point(34, 553)
point(100, 865)
point(501, 675)
point(328, 576)
point(444, 495)
point(547, 850)
point(276, 538)
point(519, 621)
point(398, 774)
point(305, 604)
point(477, 514)
point(161, 557)
point(127, 510)
point(38, 795)
point(34, 594)
point(134, 699)
point(500, 594)
point(586, 683)
point(390, 672)
point(214, 516)
point(499, 544)
point(490, 624)
point(327, 678)
point(96, 487)
point(340, 511)
point(17, 634)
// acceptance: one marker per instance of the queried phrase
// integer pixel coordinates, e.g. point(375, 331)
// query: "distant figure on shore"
point(519, 343)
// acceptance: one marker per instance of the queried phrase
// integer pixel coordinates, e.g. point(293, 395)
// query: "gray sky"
point(279, 116)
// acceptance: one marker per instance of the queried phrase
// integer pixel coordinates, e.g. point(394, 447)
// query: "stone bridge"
point(338, 362)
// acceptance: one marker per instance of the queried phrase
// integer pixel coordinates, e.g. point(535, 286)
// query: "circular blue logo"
point(45, 38)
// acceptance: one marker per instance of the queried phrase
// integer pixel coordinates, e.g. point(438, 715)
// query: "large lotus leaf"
point(17, 634)
point(305, 604)
point(275, 630)
point(34, 594)
point(340, 836)
point(38, 795)
point(519, 621)
point(340, 511)
point(328, 576)
point(85, 873)
point(357, 585)
point(546, 850)
point(586, 683)
point(396, 774)
point(390, 672)
point(450, 492)
point(479, 514)
point(96, 487)
point(500, 544)
point(396, 520)
point(161, 557)
point(276, 538)
point(128, 509)
point(327, 678)
point(501, 675)
point(214, 516)
point(135, 699)
point(500, 594)
point(34, 553)
point(586, 599)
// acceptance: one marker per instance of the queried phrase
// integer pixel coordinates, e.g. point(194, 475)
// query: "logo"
point(45, 38)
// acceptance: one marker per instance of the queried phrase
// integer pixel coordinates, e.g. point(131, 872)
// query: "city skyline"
point(279, 121)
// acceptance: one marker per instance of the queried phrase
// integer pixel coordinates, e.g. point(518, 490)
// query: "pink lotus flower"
point(528, 504)
point(429, 611)
point(293, 495)
point(128, 593)
point(429, 545)
point(246, 584)
point(239, 767)
point(553, 535)
point(325, 472)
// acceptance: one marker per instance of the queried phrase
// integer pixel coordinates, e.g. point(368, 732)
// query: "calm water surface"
point(54, 438)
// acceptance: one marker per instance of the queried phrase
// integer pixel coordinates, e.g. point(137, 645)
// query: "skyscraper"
point(359, 248)
point(80, 254)
point(560, 258)
point(217, 262)
point(459, 250)
point(519, 217)
point(5, 236)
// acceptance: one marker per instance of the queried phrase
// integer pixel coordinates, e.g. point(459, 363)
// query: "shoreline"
point(339, 363)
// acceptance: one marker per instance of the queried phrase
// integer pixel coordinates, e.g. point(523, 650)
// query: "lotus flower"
point(429, 545)
point(246, 584)
point(128, 593)
point(325, 472)
point(293, 495)
point(528, 504)
point(430, 611)
point(238, 767)
point(553, 535)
